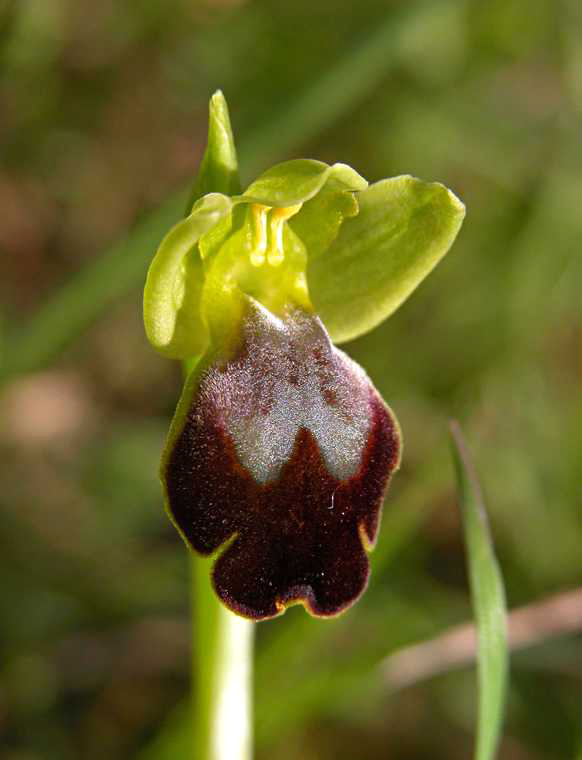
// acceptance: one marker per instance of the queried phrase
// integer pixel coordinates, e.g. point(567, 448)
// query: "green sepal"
point(172, 316)
point(402, 230)
point(297, 181)
point(218, 171)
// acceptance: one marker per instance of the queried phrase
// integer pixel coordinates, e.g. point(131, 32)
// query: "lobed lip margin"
point(300, 538)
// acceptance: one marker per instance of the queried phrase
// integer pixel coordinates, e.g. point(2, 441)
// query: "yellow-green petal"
point(403, 229)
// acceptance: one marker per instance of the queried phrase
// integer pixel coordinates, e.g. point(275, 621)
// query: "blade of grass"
point(488, 599)
point(74, 307)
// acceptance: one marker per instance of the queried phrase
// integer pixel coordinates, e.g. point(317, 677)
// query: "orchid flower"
point(281, 449)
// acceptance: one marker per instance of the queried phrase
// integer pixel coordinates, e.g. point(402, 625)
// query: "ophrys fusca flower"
point(281, 449)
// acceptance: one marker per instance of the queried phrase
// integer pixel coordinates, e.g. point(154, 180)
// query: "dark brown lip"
point(300, 536)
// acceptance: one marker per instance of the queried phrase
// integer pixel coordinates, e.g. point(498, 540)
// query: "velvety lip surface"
point(286, 449)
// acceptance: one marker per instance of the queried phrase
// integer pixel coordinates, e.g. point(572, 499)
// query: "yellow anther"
point(279, 216)
point(259, 234)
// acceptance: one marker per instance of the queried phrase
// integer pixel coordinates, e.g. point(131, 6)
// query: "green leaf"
point(171, 304)
point(403, 229)
point(297, 181)
point(488, 602)
point(218, 171)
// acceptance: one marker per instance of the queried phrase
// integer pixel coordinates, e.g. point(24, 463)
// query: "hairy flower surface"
point(287, 447)
point(281, 449)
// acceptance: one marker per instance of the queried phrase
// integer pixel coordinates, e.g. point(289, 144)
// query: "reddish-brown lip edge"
point(300, 536)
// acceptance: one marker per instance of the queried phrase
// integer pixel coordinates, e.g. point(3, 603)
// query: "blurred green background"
point(103, 114)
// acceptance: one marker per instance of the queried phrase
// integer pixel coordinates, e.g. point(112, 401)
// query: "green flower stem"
point(222, 666)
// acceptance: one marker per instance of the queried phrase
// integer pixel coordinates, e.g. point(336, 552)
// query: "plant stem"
point(222, 662)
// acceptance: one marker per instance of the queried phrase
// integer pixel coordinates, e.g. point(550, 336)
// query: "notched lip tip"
point(307, 600)
point(367, 542)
